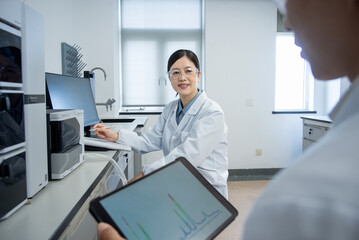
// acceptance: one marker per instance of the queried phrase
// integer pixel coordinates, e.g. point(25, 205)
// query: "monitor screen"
point(68, 92)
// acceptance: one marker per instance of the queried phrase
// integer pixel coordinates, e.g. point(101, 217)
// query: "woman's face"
point(184, 78)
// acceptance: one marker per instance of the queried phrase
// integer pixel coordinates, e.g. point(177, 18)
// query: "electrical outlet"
point(259, 152)
point(249, 102)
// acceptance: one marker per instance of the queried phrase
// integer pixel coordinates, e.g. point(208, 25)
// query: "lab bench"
point(60, 210)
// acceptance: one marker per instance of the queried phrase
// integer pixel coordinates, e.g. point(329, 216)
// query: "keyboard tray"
point(104, 144)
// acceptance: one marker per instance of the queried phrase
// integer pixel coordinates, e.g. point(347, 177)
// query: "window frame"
point(157, 108)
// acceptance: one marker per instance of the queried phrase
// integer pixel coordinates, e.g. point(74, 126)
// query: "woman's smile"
point(183, 85)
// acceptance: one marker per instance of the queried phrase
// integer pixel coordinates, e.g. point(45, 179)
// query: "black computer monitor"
point(68, 92)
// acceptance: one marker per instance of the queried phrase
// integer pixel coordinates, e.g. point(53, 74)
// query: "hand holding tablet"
point(174, 202)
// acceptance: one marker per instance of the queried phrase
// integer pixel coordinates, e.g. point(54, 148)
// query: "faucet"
point(98, 68)
point(109, 101)
point(107, 104)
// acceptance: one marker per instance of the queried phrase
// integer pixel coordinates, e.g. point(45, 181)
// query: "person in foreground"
point(318, 196)
point(192, 127)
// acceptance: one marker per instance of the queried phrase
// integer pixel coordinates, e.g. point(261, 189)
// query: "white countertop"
point(318, 118)
point(138, 121)
point(48, 208)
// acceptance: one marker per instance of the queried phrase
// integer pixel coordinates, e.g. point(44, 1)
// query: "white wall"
point(240, 54)
point(91, 24)
point(240, 58)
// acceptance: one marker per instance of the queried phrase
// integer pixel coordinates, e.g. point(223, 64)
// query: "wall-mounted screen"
point(68, 92)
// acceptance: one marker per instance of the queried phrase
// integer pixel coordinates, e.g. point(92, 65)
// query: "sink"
point(117, 120)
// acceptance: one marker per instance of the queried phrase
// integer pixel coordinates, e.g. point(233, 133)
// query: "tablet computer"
point(173, 202)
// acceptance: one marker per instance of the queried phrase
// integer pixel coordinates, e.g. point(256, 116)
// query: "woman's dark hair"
point(181, 53)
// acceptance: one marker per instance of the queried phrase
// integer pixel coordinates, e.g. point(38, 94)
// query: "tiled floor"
point(242, 195)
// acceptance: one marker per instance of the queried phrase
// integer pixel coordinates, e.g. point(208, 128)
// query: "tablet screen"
point(170, 204)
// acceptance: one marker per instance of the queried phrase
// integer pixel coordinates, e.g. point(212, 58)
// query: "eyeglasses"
point(188, 73)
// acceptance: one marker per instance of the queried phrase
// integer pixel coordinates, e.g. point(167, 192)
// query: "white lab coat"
point(318, 197)
point(200, 137)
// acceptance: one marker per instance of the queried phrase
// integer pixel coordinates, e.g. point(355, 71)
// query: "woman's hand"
point(105, 133)
point(107, 232)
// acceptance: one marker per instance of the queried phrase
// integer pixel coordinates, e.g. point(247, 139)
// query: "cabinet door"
point(313, 133)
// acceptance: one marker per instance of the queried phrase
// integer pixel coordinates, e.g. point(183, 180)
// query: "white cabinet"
point(313, 129)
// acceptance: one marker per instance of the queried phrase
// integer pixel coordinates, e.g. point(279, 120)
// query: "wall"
point(240, 58)
point(91, 24)
point(240, 54)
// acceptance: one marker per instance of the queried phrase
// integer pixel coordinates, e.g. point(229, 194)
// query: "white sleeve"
point(153, 166)
point(149, 141)
point(204, 137)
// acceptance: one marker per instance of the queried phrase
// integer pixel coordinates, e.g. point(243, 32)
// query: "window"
point(294, 87)
point(150, 32)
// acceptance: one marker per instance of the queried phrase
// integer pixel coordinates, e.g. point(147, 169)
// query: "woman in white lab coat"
point(192, 127)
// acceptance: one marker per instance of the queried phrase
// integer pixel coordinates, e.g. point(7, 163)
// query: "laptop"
point(173, 202)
